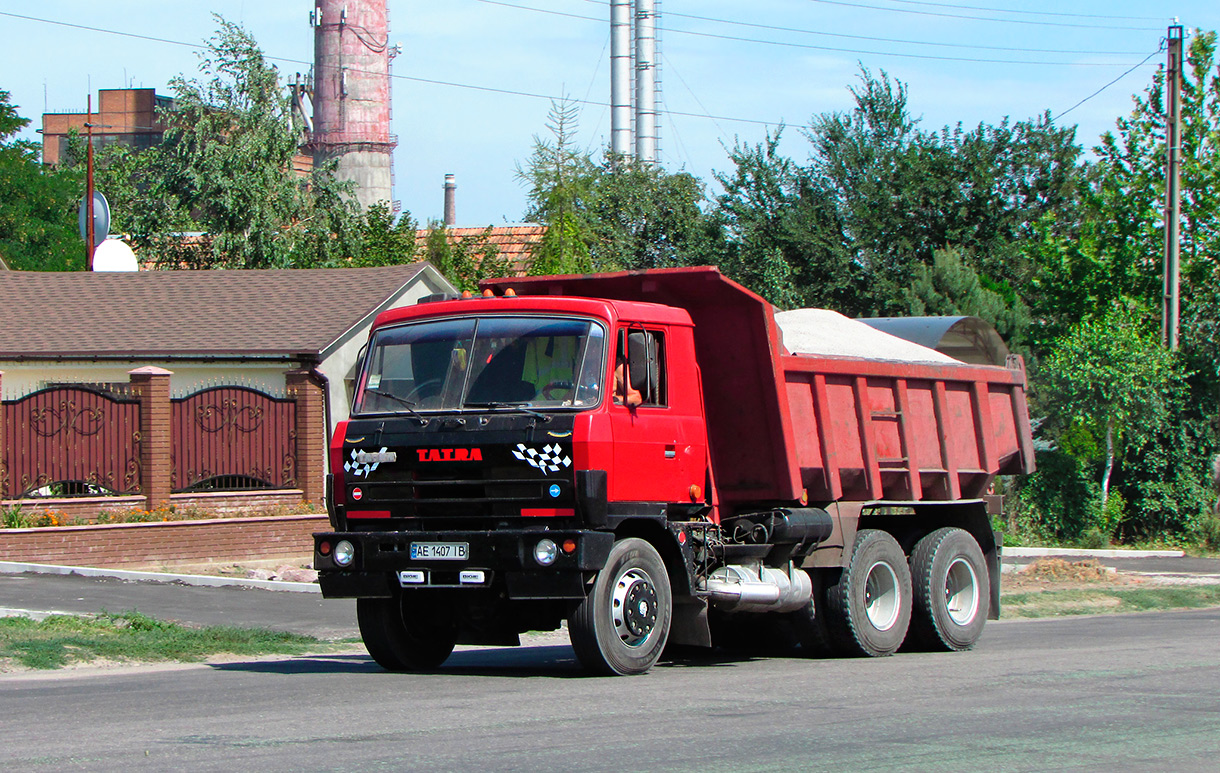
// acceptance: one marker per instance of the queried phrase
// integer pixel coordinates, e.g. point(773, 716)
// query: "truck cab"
point(495, 446)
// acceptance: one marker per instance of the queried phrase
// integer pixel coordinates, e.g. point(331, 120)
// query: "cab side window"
point(641, 368)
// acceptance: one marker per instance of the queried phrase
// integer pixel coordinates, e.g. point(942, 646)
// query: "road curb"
point(1015, 552)
point(12, 567)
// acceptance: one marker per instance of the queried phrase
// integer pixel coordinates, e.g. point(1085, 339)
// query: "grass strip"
point(1091, 601)
point(60, 640)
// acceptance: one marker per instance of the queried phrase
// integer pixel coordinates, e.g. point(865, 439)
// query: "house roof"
point(513, 242)
point(207, 313)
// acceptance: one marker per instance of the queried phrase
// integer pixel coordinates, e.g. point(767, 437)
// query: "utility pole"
point(89, 185)
point(1173, 208)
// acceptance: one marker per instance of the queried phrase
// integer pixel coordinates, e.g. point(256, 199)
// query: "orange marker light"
point(488, 293)
point(510, 293)
point(569, 546)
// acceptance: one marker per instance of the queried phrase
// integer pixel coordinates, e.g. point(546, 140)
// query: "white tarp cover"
point(825, 332)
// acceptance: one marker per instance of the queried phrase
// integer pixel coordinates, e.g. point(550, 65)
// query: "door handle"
point(671, 452)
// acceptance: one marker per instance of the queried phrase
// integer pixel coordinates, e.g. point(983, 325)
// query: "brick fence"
point(150, 545)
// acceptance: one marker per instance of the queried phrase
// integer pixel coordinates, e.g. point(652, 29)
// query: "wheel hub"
point(961, 592)
point(882, 601)
point(634, 607)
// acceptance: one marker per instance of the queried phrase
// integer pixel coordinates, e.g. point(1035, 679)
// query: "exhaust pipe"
point(758, 588)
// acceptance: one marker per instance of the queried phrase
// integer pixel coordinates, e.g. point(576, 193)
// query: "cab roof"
point(607, 310)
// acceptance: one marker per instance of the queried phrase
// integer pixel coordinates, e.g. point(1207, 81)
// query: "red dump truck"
point(639, 454)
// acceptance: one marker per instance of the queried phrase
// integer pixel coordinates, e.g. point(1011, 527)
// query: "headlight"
point(344, 552)
point(545, 552)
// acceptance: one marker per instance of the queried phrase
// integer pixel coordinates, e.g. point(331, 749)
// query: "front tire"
point(950, 587)
point(622, 625)
point(420, 645)
point(870, 604)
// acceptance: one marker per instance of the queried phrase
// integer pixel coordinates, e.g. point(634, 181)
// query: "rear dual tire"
point(951, 590)
point(869, 605)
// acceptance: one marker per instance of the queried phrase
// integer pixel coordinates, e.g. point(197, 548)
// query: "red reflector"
point(368, 514)
point(547, 512)
point(569, 546)
point(324, 548)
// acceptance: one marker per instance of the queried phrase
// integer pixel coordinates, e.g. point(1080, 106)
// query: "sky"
point(476, 78)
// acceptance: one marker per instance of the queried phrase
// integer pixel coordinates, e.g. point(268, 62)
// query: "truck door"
point(654, 461)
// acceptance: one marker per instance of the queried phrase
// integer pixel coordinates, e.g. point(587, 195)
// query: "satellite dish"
point(101, 218)
point(114, 255)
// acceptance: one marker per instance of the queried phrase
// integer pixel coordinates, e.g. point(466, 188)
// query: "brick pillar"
point(311, 433)
point(156, 434)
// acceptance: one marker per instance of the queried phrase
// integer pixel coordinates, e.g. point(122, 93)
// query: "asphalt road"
point(306, 613)
point(1120, 692)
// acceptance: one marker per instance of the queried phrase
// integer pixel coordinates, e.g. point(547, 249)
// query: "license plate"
point(440, 551)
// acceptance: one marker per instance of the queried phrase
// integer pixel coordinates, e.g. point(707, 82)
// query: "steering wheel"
point(420, 387)
point(555, 386)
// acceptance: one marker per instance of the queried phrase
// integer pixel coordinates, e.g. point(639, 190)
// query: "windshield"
point(487, 362)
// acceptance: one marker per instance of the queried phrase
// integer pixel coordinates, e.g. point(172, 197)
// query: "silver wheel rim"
point(961, 592)
point(633, 607)
point(882, 601)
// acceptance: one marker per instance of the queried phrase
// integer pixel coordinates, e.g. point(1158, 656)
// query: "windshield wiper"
point(517, 406)
point(409, 405)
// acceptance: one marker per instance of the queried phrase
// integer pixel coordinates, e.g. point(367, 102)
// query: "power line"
point(1028, 13)
point(899, 40)
point(981, 18)
point(813, 47)
point(937, 44)
point(1108, 85)
point(414, 79)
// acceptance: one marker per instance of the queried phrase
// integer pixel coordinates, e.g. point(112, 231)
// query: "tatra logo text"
point(449, 454)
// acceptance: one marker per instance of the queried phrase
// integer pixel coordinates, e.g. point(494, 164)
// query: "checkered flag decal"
point(360, 468)
point(549, 459)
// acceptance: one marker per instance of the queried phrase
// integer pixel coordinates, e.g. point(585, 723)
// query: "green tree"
point(38, 222)
point(1110, 378)
point(224, 170)
point(557, 176)
point(640, 216)
point(386, 240)
point(950, 287)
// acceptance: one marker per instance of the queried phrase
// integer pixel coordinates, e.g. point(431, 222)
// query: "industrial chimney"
point(351, 95)
point(450, 200)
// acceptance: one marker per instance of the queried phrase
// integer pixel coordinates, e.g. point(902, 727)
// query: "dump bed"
point(782, 426)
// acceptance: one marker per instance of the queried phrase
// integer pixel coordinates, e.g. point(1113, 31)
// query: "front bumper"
point(504, 557)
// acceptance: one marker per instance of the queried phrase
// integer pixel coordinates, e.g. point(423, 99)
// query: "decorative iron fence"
point(233, 439)
point(69, 441)
point(77, 440)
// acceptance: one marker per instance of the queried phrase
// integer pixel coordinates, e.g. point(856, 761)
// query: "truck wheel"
point(950, 588)
point(622, 625)
point(870, 605)
point(421, 645)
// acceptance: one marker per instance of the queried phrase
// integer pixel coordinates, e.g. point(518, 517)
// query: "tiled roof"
point(514, 242)
point(188, 312)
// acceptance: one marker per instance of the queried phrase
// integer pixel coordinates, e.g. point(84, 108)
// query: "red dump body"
point(783, 427)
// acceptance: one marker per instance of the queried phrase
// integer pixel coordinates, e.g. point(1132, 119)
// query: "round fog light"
point(545, 552)
point(344, 552)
